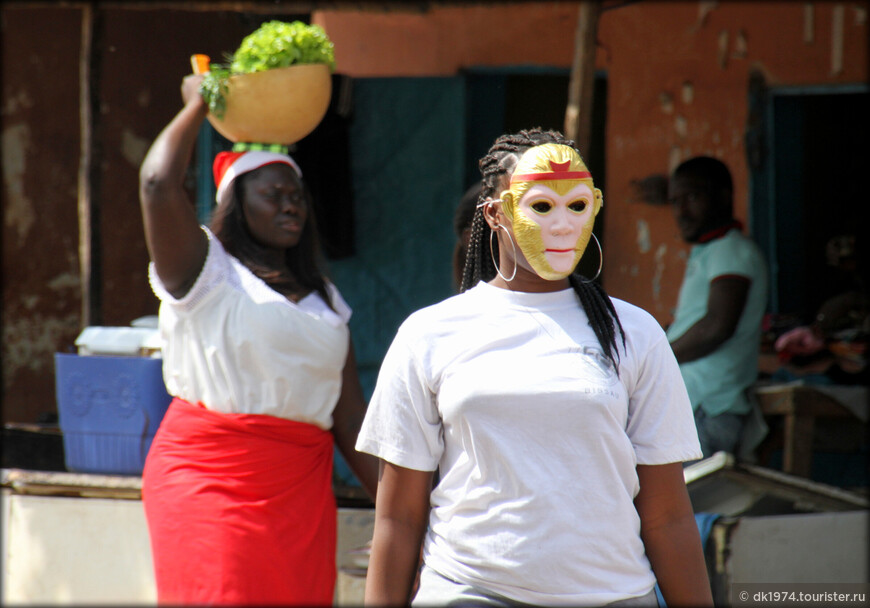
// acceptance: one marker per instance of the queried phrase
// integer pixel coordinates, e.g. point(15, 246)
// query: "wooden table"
point(800, 406)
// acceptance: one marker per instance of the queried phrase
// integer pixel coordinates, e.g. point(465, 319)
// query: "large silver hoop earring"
point(492, 254)
point(600, 259)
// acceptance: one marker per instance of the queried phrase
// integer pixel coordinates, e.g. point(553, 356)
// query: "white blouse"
point(237, 346)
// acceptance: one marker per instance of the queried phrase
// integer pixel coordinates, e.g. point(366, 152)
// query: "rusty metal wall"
point(143, 55)
point(41, 291)
point(146, 55)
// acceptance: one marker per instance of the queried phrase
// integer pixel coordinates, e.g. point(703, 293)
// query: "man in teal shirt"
point(717, 324)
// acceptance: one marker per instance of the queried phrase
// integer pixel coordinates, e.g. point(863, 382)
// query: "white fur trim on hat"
point(246, 163)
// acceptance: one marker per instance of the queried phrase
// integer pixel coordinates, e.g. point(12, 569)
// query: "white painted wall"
point(65, 550)
point(91, 551)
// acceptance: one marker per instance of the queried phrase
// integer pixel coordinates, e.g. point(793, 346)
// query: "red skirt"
point(240, 509)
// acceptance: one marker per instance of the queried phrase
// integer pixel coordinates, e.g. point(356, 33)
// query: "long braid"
point(481, 266)
point(602, 315)
point(495, 168)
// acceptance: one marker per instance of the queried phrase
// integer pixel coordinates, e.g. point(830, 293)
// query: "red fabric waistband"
point(258, 424)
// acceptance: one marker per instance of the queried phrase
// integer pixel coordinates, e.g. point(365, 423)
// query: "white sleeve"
point(342, 308)
point(661, 425)
point(215, 271)
point(402, 424)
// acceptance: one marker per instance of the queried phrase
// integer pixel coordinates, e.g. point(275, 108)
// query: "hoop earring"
point(600, 260)
point(492, 255)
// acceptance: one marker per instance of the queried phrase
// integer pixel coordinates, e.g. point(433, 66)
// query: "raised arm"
point(176, 243)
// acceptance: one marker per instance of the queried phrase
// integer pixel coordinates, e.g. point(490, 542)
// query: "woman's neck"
point(530, 282)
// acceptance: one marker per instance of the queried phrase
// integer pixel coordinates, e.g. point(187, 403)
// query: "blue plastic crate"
point(109, 410)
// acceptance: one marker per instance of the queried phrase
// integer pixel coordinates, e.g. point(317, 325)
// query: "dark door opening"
point(818, 155)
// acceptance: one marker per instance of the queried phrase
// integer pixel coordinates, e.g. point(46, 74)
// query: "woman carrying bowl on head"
point(555, 415)
point(237, 486)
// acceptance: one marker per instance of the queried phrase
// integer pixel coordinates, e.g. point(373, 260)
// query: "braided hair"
point(496, 168)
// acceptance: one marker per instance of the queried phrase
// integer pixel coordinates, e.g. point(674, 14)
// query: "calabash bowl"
point(278, 106)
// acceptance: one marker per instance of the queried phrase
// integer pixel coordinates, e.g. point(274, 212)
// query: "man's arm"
point(725, 305)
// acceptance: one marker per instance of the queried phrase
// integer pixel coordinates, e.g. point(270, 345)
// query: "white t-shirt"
point(536, 439)
point(238, 346)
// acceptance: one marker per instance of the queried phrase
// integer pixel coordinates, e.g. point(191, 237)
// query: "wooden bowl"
point(278, 106)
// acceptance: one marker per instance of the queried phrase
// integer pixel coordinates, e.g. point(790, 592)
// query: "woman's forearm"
point(347, 418)
point(675, 553)
point(670, 535)
point(395, 558)
point(364, 466)
point(168, 157)
point(401, 518)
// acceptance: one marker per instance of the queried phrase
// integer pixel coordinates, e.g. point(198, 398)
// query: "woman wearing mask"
point(555, 415)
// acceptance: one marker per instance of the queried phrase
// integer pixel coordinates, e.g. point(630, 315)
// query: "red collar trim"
point(718, 233)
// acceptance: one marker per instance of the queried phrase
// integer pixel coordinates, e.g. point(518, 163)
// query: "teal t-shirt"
point(717, 382)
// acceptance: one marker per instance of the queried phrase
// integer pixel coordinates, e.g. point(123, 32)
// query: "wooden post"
point(578, 114)
point(88, 210)
point(84, 198)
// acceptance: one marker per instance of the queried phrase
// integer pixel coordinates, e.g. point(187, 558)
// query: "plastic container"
point(109, 409)
point(126, 341)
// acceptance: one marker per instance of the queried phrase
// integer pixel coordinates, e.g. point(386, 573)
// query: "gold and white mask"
point(552, 204)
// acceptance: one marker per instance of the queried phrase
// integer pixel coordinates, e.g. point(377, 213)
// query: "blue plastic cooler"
point(109, 409)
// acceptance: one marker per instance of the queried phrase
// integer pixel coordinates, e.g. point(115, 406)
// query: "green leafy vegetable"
point(277, 44)
point(214, 89)
point(274, 44)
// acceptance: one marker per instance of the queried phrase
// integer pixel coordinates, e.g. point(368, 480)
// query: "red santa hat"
point(230, 165)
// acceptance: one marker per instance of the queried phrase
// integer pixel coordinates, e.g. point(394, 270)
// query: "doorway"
point(807, 191)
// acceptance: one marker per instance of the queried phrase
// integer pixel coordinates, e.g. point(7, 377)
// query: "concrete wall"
point(445, 39)
point(62, 550)
point(810, 548)
point(677, 73)
point(87, 551)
